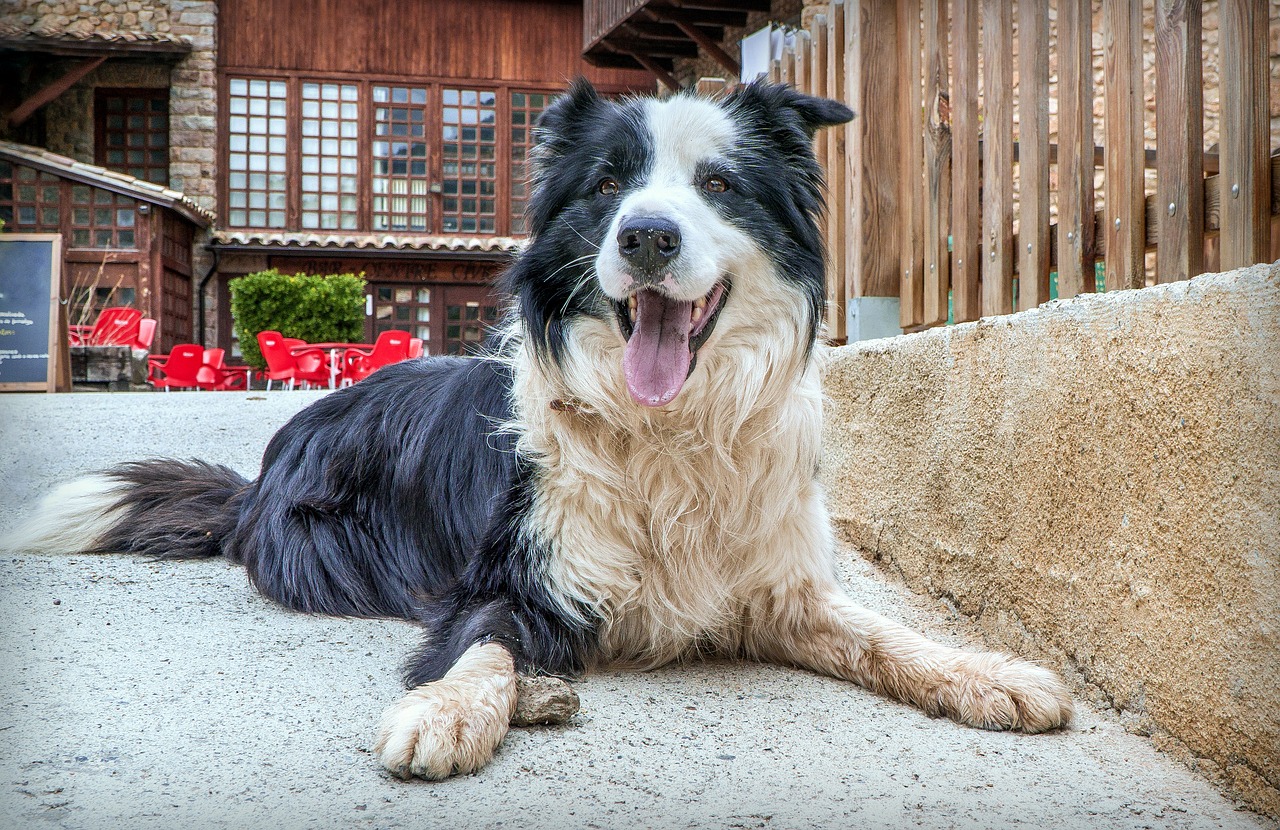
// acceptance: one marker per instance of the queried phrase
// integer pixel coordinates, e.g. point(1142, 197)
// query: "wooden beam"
point(655, 70)
point(50, 92)
point(701, 38)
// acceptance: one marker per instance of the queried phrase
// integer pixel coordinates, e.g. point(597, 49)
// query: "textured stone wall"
point(1097, 482)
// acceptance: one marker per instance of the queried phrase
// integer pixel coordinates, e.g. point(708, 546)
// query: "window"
point(469, 168)
point(30, 200)
point(330, 156)
point(132, 132)
point(400, 178)
point(39, 202)
point(373, 156)
point(525, 109)
point(403, 308)
point(257, 161)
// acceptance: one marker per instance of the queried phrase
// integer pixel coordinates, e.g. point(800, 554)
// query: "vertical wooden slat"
point(789, 63)
point(801, 77)
point(1245, 168)
point(837, 199)
point(997, 157)
point(871, 88)
point(1180, 141)
point(937, 163)
point(818, 75)
point(1124, 225)
point(911, 140)
point(966, 184)
point(1033, 154)
point(1075, 149)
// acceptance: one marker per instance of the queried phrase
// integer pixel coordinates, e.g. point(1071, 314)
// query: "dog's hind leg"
point(454, 724)
point(818, 628)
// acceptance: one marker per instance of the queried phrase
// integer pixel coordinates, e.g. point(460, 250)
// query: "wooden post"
point(937, 163)
point(1033, 154)
point(911, 141)
point(1245, 168)
point(801, 58)
point(818, 76)
point(1075, 149)
point(788, 74)
point(966, 182)
point(837, 196)
point(873, 152)
point(997, 158)
point(1180, 140)
point(1124, 231)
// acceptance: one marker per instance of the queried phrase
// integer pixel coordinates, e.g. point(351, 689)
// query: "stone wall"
point(1097, 482)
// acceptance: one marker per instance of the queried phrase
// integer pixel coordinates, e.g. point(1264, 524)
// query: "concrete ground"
point(138, 694)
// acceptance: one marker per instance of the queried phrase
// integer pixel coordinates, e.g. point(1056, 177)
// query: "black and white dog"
point(628, 478)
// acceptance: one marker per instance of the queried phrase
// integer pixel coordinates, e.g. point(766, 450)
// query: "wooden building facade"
point(389, 142)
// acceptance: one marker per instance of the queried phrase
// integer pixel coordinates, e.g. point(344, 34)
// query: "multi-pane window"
point(401, 179)
point(469, 168)
point(377, 156)
point(37, 202)
point(403, 308)
point(133, 132)
point(33, 199)
point(257, 158)
point(102, 219)
point(330, 156)
point(525, 109)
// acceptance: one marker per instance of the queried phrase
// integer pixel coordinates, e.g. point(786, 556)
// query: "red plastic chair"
point(313, 364)
point(116, 326)
point(213, 376)
point(177, 370)
point(78, 335)
point(391, 347)
point(146, 334)
point(415, 347)
point(279, 358)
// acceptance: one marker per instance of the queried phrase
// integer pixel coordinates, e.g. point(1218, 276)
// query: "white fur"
point(686, 132)
point(71, 519)
point(454, 724)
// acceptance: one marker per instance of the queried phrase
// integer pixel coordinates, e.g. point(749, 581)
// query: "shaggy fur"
point(630, 475)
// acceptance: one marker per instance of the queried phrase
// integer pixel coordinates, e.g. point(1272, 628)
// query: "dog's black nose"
point(649, 243)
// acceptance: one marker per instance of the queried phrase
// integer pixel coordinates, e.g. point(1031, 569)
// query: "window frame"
point(100, 114)
point(366, 106)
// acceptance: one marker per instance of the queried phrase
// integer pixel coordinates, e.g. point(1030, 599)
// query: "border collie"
point(628, 477)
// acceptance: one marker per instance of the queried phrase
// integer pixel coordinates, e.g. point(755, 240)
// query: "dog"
point(627, 477)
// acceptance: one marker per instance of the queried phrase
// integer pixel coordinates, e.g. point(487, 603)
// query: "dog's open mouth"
point(663, 337)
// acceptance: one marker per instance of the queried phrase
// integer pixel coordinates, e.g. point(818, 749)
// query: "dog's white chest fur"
point(670, 526)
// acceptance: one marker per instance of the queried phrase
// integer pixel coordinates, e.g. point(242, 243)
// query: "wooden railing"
point(599, 17)
point(934, 202)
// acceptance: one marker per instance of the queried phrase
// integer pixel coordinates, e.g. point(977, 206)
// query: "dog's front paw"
point(994, 691)
point(451, 726)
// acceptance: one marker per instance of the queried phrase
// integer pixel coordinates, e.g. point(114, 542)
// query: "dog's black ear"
point(561, 122)
point(778, 101)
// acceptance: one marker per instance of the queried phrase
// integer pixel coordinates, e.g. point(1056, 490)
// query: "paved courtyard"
point(139, 694)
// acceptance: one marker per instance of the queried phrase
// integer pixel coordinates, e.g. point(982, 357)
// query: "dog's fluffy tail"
point(164, 508)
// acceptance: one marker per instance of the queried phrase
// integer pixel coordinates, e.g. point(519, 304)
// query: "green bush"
point(314, 308)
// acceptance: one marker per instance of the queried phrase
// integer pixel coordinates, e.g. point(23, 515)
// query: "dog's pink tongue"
point(656, 361)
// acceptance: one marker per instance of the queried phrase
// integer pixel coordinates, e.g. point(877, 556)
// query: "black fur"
point(400, 496)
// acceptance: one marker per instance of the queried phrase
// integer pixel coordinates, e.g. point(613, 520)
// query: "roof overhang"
point(74, 43)
point(498, 249)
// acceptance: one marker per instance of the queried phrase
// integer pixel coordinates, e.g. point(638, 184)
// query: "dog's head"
point(653, 216)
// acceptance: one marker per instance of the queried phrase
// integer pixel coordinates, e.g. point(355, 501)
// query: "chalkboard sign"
point(31, 339)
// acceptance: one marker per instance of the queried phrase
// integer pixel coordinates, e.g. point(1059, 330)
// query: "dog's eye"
point(715, 184)
point(607, 187)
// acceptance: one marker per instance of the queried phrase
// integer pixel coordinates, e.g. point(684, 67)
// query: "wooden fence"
point(912, 214)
